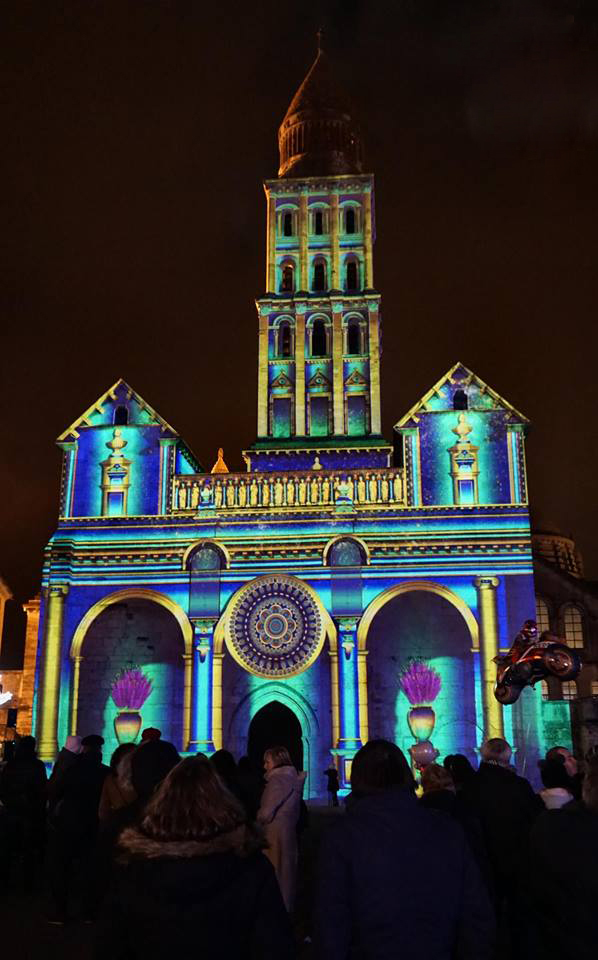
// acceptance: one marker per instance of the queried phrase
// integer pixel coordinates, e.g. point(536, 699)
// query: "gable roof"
point(72, 432)
point(458, 376)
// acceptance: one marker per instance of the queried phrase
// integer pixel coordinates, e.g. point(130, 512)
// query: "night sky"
point(136, 137)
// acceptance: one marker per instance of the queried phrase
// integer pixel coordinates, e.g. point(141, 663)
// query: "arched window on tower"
point(287, 224)
point(121, 417)
point(573, 626)
point(542, 616)
point(206, 558)
point(352, 275)
point(285, 339)
point(318, 222)
point(319, 339)
point(319, 275)
point(354, 338)
point(350, 220)
point(287, 280)
point(460, 401)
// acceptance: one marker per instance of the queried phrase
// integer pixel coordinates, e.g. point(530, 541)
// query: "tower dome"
point(317, 136)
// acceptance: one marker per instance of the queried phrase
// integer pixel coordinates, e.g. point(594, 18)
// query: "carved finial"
point(463, 428)
point(117, 443)
point(220, 466)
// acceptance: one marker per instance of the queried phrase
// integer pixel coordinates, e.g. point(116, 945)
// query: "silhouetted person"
point(23, 812)
point(575, 778)
point(332, 786)
point(226, 768)
point(118, 789)
point(506, 806)
point(193, 881)
point(73, 829)
point(563, 880)
point(460, 770)
point(150, 734)
point(63, 762)
point(396, 880)
point(556, 782)
point(252, 784)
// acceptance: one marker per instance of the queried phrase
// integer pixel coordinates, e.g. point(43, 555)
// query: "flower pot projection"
point(421, 685)
point(130, 689)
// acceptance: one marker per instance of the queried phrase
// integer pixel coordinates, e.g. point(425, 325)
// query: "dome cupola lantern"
point(317, 136)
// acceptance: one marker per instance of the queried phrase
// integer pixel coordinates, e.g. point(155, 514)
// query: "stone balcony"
point(300, 490)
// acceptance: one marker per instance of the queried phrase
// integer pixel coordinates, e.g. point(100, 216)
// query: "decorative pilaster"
point(75, 693)
point(50, 682)
point(368, 241)
point(303, 283)
point(271, 246)
point(262, 375)
point(335, 282)
point(350, 739)
point(337, 369)
point(300, 373)
point(201, 739)
point(374, 349)
point(489, 647)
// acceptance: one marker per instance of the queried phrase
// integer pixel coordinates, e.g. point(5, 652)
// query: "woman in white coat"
point(278, 813)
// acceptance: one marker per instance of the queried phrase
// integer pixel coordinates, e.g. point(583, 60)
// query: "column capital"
point(57, 590)
point(203, 625)
point(486, 583)
point(347, 624)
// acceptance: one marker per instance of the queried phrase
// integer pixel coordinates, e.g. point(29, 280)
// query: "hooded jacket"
point(397, 880)
point(187, 899)
point(279, 813)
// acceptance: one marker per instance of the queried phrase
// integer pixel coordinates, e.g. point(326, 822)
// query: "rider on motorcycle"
point(524, 639)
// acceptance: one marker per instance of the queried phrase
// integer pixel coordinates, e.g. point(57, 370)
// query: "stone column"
point(47, 723)
point(337, 370)
point(374, 351)
point(217, 700)
point(25, 714)
point(203, 644)
point(368, 241)
point(271, 245)
point(350, 739)
point(303, 283)
point(335, 280)
point(300, 373)
point(489, 647)
point(362, 675)
point(262, 374)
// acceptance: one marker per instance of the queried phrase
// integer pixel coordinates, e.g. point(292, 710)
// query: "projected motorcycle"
point(531, 659)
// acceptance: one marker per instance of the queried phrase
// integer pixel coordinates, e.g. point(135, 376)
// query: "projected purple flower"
point(419, 682)
point(130, 689)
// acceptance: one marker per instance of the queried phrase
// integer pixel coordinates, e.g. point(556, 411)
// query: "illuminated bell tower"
point(319, 321)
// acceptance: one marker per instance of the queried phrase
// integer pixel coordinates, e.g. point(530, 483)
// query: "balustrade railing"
point(271, 491)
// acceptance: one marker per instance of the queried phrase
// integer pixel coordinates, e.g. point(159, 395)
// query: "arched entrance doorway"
point(131, 631)
point(425, 624)
point(275, 725)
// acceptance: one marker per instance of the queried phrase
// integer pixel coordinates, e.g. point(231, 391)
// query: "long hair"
point(119, 754)
point(192, 803)
point(377, 766)
point(280, 756)
point(434, 777)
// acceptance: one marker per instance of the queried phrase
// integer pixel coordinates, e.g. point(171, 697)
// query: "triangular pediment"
point(120, 393)
point(440, 398)
point(356, 379)
point(319, 380)
point(282, 382)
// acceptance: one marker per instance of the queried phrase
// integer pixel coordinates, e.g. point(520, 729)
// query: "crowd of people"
point(199, 856)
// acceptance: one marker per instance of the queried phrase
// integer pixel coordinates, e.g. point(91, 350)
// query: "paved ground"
point(25, 934)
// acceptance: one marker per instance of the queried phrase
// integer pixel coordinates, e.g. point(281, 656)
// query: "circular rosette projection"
point(274, 628)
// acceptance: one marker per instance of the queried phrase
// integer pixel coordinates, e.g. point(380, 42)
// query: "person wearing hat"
point(73, 827)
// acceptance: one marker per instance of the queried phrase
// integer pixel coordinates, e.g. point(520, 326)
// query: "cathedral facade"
point(285, 603)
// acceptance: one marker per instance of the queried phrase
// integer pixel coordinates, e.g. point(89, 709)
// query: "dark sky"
point(136, 138)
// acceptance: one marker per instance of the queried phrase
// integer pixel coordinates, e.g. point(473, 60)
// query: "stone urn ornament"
point(421, 685)
point(129, 691)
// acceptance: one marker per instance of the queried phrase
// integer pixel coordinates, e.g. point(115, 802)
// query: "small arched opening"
point(275, 725)
point(319, 275)
point(319, 339)
point(121, 416)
